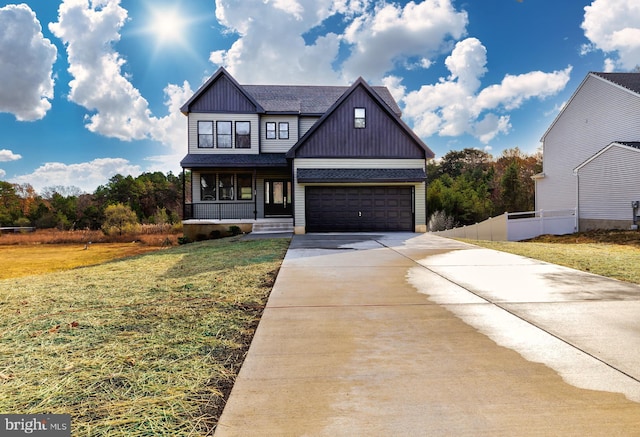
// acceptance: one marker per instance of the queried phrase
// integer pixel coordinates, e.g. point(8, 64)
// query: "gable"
point(609, 151)
point(608, 86)
point(385, 135)
point(221, 93)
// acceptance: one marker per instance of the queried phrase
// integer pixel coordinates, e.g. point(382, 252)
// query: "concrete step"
point(273, 227)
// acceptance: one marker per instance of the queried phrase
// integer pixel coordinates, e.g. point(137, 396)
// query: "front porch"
point(203, 229)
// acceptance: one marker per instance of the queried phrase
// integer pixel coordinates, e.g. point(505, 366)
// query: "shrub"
point(120, 219)
point(441, 221)
point(235, 230)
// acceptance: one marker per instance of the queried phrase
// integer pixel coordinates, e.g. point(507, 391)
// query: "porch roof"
point(202, 160)
point(345, 175)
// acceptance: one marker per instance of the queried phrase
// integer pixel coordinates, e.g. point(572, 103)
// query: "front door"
point(277, 197)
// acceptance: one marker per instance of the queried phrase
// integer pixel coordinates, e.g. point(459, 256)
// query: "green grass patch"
point(150, 345)
point(619, 261)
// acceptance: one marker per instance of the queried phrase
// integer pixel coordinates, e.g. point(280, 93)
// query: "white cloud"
point(456, 105)
point(391, 33)
point(118, 109)
point(87, 176)
point(8, 155)
point(2, 173)
point(27, 85)
point(379, 37)
point(514, 90)
point(613, 26)
point(395, 87)
point(89, 34)
point(172, 129)
point(270, 36)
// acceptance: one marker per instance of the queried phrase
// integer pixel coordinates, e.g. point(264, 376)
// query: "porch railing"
point(220, 211)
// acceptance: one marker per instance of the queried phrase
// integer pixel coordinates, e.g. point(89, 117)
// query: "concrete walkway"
point(418, 335)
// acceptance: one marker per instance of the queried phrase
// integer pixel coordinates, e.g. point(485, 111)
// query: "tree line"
point(469, 186)
point(153, 198)
point(464, 187)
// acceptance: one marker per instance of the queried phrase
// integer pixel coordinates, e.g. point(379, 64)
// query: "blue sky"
point(89, 89)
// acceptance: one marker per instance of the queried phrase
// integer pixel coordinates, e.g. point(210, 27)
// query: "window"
point(223, 129)
point(283, 131)
point(205, 134)
point(245, 187)
point(359, 118)
point(208, 187)
point(243, 135)
point(271, 130)
point(225, 187)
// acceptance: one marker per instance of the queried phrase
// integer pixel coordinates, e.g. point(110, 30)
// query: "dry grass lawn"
point(142, 346)
point(25, 260)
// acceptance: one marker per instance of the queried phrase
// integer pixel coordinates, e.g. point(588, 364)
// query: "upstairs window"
point(243, 135)
point(283, 130)
point(205, 134)
point(223, 129)
point(359, 118)
point(271, 130)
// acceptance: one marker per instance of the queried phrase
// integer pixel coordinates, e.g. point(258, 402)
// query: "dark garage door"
point(359, 209)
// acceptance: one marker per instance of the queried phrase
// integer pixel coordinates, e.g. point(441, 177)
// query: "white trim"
point(597, 155)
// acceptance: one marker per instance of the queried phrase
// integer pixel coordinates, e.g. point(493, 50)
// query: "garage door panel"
point(359, 209)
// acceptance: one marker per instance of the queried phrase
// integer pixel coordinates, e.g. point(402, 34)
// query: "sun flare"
point(167, 26)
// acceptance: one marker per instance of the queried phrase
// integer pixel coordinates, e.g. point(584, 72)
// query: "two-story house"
point(591, 154)
point(321, 158)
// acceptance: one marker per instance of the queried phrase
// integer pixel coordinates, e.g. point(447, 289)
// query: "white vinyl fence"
point(516, 226)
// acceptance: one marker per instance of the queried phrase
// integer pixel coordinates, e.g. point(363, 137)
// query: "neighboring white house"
point(590, 156)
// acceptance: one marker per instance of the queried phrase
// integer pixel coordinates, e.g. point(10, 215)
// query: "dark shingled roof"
point(631, 81)
point(201, 160)
point(307, 99)
point(312, 175)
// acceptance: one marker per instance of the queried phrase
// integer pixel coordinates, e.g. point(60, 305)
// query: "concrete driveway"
point(417, 335)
